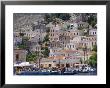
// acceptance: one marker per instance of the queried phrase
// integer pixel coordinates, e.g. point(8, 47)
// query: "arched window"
point(17, 57)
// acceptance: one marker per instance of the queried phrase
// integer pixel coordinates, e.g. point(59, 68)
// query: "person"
point(62, 70)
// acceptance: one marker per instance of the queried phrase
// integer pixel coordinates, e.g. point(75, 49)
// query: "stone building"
point(19, 55)
point(54, 33)
point(64, 39)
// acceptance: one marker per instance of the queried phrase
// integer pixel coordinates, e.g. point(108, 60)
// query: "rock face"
point(26, 21)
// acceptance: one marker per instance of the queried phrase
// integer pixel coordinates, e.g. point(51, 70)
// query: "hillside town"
point(63, 43)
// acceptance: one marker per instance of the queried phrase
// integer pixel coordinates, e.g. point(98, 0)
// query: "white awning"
point(22, 64)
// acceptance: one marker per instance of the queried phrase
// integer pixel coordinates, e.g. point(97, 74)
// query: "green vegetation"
point(51, 17)
point(81, 61)
point(45, 51)
point(94, 48)
point(92, 21)
point(21, 46)
point(24, 44)
point(63, 16)
point(46, 38)
point(31, 57)
point(80, 28)
point(93, 60)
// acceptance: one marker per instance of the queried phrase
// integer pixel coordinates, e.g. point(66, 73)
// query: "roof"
point(18, 49)
point(56, 57)
point(93, 30)
point(68, 51)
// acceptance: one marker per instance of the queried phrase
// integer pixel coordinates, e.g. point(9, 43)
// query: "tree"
point(80, 28)
point(25, 44)
point(31, 57)
point(64, 16)
point(51, 17)
point(81, 61)
point(93, 23)
point(46, 38)
point(21, 46)
point(92, 20)
point(93, 60)
point(94, 48)
point(45, 52)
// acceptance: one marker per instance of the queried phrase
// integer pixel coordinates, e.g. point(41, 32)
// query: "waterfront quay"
point(29, 69)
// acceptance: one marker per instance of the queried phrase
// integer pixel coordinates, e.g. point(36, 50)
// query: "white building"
point(46, 63)
point(30, 34)
point(93, 32)
point(75, 33)
point(54, 52)
point(68, 58)
point(70, 46)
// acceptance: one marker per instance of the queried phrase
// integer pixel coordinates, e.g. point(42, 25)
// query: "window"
point(92, 43)
point(17, 57)
point(67, 46)
point(71, 25)
point(50, 65)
